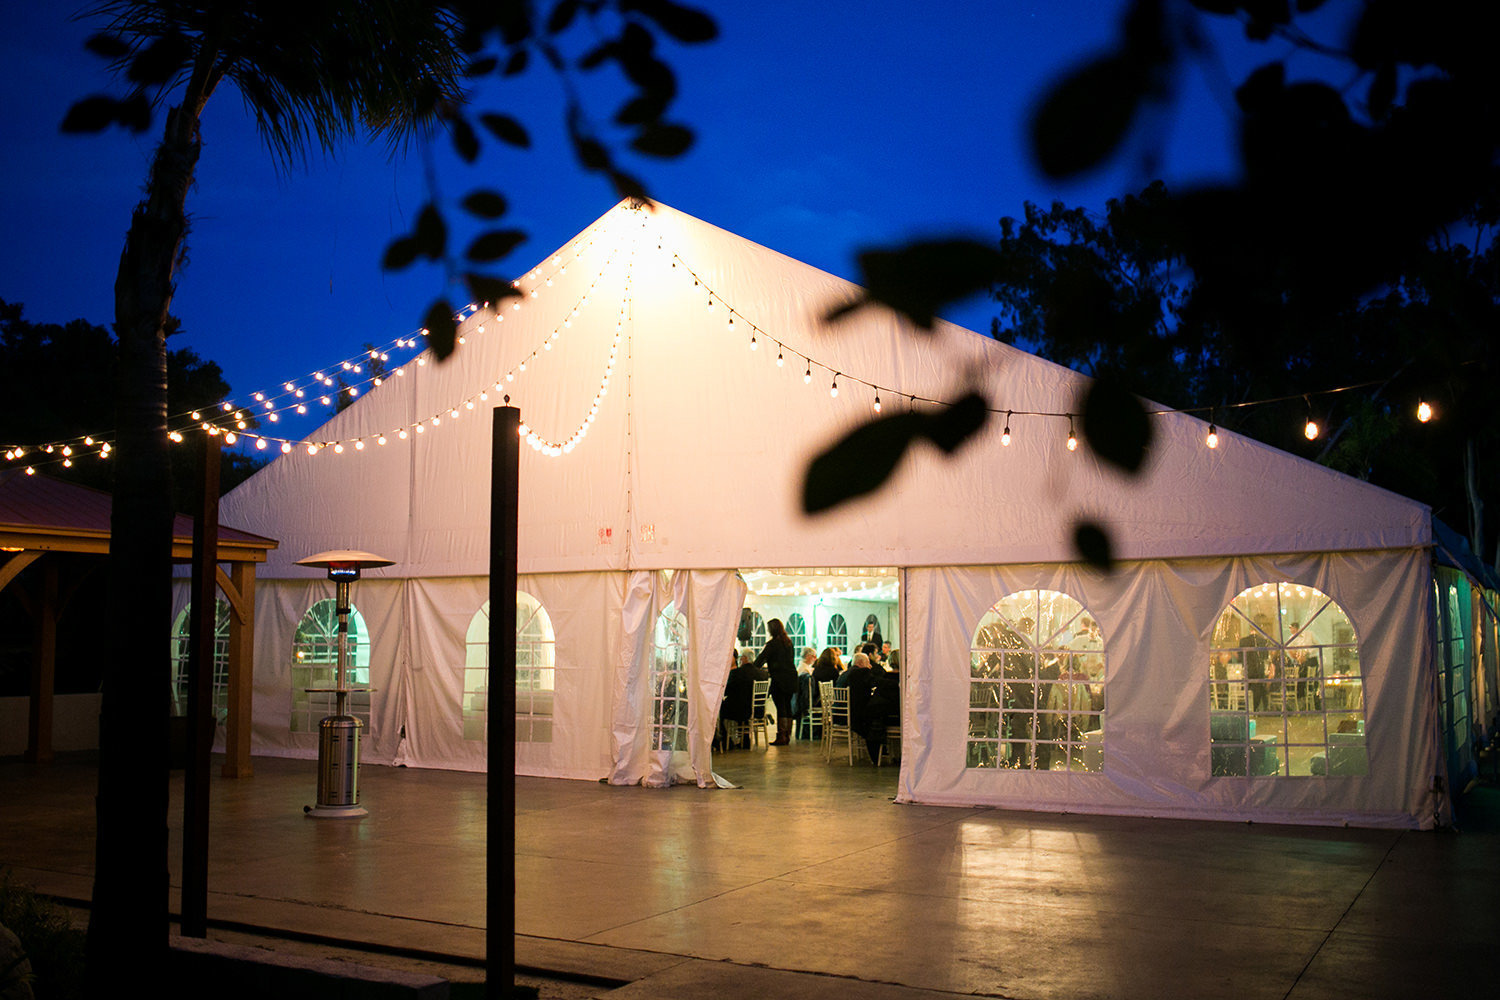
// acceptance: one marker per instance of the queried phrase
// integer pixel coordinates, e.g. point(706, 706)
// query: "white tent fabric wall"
point(711, 602)
point(1156, 618)
point(694, 460)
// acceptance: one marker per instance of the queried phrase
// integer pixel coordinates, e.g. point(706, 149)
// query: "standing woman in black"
point(777, 658)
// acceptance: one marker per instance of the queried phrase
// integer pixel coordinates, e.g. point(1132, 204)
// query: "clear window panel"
point(984, 725)
point(985, 695)
point(1050, 652)
point(982, 755)
point(535, 671)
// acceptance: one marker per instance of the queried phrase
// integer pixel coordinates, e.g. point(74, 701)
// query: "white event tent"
point(697, 364)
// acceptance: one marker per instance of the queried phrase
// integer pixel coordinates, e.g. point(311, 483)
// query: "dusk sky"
point(822, 129)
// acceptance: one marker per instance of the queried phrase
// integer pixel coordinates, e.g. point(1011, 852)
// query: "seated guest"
point(739, 691)
point(881, 711)
point(859, 679)
point(809, 658)
point(828, 666)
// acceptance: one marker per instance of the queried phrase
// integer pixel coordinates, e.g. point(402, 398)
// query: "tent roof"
point(695, 452)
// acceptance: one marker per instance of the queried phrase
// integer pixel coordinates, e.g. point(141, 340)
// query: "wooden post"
point(200, 701)
point(43, 670)
point(241, 673)
point(500, 813)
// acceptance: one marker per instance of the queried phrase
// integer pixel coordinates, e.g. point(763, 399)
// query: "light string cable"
point(297, 396)
point(542, 275)
point(457, 408)
point(760, 337)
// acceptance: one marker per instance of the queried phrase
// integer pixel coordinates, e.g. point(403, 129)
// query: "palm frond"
point(311, 73)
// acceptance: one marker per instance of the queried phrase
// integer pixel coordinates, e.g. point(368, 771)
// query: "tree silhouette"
point(311, 74)
point(1344, 188)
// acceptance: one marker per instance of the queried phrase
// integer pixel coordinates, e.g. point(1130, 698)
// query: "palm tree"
point(312, 73)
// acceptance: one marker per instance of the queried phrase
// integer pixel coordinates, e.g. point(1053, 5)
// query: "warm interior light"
point(1310, 431)
point(1213, 437)
point(1424, 410)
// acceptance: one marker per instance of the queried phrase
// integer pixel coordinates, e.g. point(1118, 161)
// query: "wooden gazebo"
point(41, 517)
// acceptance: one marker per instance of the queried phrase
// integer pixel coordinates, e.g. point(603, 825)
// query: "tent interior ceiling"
point(862, 583)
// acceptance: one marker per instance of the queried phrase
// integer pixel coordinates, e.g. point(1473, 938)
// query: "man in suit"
point(1259, 664)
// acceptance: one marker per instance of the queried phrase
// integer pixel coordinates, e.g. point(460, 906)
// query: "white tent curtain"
point(710, 601)
point(1157, 619)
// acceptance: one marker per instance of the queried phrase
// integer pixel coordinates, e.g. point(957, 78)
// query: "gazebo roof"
point(40, 513)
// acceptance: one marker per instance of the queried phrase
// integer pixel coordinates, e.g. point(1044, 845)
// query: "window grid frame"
point(1049, 730)
point(1273, 725)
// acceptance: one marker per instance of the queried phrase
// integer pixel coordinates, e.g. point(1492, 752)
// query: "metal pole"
point(500, 814)
point(200, 709)
point(341, 602)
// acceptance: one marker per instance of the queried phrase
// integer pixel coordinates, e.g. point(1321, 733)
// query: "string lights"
point(360, 372)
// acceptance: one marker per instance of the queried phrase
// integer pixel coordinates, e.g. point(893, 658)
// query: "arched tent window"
point(1285, 692)
point(669, 703)
point(1037, 686)
point(315, 664)
point(796, 630)
point(535, 665)
point(180, 646)
point(838, 633)
point(752, 632)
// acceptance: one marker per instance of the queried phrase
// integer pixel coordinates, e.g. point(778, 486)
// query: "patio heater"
point(338, 734)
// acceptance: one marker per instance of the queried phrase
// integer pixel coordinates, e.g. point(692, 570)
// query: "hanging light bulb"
point(1213, 436)
point(833, 389)
point(1424, 411)
point(1309, 429)
point(229, 437)
point(780, 361)
point(1072, 438)
point(1005, 434)
point(807, 375)
point(754, 344)
point(286, 447)
point(877, 402)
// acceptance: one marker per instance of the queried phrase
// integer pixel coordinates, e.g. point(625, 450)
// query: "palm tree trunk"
point(128, 929)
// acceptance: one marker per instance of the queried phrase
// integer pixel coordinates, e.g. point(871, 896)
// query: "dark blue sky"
point(822, 128)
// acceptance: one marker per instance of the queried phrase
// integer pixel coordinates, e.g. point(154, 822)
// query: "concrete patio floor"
point(809, 881)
